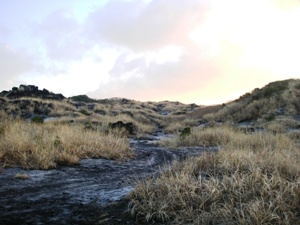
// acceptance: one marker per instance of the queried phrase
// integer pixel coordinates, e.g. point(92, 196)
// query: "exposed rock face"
point(31, 91)
point(51, 197)
point(129, 127)
point(80, 105)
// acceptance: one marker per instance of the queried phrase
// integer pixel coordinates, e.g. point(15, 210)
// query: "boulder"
point(90, 106)
point(129, 127)
point(185, 132)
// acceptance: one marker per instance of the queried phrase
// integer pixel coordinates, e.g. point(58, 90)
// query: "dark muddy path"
point(89, 193)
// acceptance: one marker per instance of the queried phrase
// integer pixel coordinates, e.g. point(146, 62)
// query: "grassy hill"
point(252, 179)
point(277, 99)
point(96, 114)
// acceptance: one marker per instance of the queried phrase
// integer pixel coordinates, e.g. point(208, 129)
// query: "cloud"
point(144, 79)
point(157, 59)
point(191, 51)
point(13, 63)
point(4, 32)
point(142, 26)
point(153, 56)
point(62, 38)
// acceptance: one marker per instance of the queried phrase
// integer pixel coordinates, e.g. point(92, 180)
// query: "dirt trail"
point(88, 193)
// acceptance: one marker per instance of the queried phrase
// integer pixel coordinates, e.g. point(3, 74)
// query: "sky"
point(193, 51)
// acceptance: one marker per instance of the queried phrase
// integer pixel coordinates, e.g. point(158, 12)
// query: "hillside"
point(28, 102)
point(275, 100)
point(246, 150)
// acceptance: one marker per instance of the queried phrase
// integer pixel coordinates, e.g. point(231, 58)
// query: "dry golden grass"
point(45, 145)
point(265, 103)
point(255, 179)
point(61, 108)
point(143, 126)
point(201, 112)
point(101, 122)
point(146, 116)
point(21, 176)
point(210, 136)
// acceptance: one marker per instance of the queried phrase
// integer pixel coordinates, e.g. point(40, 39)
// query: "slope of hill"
point(249, 171)
point(27, 102)
point(277, 99)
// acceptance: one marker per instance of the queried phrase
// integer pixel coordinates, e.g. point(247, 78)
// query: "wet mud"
point(92, 192)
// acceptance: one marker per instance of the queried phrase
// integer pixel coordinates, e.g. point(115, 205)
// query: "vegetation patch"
point(43, 147)
point(37, 120)
point(280, 98)
point(185, 132)
point(82, 98)
point(21, 176)
point(253, 180)
point(274, 88)
point(210, 136)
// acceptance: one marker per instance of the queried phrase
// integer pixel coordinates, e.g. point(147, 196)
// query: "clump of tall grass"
point(44, 146)
point(255, 179)
point(210, 136)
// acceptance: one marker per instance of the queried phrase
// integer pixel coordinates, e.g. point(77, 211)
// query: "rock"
point(78, 105)
point(90, 106)
point(31, 91)
point(101, 112)
point(193, 106)
point(14, 89)
point(114, 113)
point(4, 93)
point(77, 195)
point(185, 132)
point(26, 115)
point(247, 130)
point(280, 111)
point(124, 101)
point(164, 113)
point(2, 101)
point(129, 127)
point(128, 113)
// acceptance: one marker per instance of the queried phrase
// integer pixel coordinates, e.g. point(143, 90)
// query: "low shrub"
point(185, 132)
point(37, 120)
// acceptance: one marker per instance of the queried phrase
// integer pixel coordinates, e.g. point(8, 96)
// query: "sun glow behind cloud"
point(265, 35)
point(257, 38)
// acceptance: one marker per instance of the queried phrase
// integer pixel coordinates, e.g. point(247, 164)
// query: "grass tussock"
point(211, 136)
point(255, 179)
point(21, 176)
point(46, 145)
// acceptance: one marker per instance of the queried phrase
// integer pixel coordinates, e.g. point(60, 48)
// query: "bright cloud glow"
point(266, 36)
point(164, 55)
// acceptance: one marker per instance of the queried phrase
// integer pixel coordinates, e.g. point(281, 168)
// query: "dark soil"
point(93, 192)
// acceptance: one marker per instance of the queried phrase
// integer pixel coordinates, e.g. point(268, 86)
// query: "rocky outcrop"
point(30, 91)
point(129, 127)
point(80, 105)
